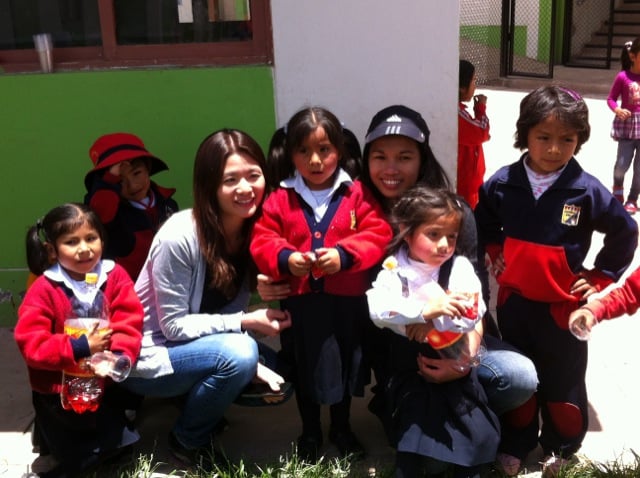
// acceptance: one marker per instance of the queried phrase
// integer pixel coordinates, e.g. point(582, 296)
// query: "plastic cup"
point(108, 364)
point(44, 47)
point(459, 353)
point(580, 330)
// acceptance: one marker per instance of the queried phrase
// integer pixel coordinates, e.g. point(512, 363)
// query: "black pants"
point(310, 414)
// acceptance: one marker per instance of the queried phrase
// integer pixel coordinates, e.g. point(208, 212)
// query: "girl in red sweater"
point(321, 231)
point(70, 237)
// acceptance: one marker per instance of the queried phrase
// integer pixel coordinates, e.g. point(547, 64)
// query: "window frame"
point(257, 51)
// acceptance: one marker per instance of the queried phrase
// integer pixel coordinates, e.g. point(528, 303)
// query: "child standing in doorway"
point(435, 425)
point(70, 237)
point(472, 132)
point(322, 232)
point(130, 205)
point(626, 124)
point(536, 218)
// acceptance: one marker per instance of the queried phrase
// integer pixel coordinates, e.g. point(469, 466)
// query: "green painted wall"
point(50, 121)
point(544, 30)
point(490, 35)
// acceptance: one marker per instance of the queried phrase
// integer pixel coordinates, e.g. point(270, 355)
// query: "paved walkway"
point(259, 435)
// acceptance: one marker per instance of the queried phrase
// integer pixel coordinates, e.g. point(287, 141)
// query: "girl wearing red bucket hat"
point(130, 205)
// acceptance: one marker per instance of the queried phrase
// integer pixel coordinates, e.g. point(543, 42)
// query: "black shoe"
point(347, 444)
point(221, 427)
point(202, 457)
point(309, 447)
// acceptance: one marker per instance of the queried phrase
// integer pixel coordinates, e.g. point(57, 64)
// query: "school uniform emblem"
point(570, 215)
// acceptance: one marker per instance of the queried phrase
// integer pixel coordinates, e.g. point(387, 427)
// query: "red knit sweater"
point(624, 299)
point(358, 227)
point(40, 335)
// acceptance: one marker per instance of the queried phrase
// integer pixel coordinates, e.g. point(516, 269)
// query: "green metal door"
point(528, 38)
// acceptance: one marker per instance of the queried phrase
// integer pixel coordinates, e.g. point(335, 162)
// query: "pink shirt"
point(626, 87)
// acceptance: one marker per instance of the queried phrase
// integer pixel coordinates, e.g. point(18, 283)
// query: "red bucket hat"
point(115, 148)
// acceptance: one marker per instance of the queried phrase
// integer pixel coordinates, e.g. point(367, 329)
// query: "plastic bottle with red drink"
point(456, 345)
point(82, 389)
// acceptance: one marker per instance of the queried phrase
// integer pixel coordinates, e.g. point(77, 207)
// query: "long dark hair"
point(629, 47)
point(431, 172)
point(60, 220)
point(208, 169)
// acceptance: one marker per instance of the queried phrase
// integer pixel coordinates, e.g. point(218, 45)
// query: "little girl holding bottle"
point(62, 248)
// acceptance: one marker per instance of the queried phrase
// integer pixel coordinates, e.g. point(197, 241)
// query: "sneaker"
point(347, 444)
point(508, 464)
point(631, 207)
point(43, 464)
point(552, 465)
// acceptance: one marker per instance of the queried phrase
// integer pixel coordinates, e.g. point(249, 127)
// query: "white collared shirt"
point(319, 202)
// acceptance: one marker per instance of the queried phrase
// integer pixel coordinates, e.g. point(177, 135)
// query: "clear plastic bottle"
point(82, 389)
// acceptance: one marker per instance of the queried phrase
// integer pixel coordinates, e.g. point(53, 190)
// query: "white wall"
point(355, 57)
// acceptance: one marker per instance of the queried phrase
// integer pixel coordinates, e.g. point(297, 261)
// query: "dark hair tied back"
point(60, 220)
point(629, 47)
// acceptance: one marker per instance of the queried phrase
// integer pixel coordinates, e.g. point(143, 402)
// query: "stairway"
point(626, 27)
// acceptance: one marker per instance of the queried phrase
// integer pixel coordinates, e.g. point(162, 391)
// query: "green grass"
point(286, 467)
point(291, 467)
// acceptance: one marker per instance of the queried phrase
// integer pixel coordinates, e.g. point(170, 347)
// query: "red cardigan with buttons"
point(40, 335)
point(359, 227)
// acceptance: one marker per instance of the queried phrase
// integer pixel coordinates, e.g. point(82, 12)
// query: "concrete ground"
point(265, 434)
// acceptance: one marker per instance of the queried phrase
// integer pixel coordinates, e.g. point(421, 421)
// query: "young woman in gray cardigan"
point(194, 287)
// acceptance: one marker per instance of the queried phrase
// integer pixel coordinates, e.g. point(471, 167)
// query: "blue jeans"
point(211, 371)
point(509, 378)
point(628, 149)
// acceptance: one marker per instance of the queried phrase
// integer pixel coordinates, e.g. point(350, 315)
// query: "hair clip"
point(42, 235)
point(284, 128)
point(628, 44)
point(572, 93)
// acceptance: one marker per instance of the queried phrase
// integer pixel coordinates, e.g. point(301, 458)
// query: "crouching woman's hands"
point(267, 322)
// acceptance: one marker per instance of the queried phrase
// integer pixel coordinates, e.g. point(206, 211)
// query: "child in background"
point(536, 219)
point(626, 124)
point(472, 132)
point(129, 204)
point(70, 237)
point(434, 425)
point(322, 231)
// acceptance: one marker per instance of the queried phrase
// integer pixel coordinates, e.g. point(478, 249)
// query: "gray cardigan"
point(170, 288)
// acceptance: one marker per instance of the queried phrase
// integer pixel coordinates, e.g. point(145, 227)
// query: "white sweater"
point(394, 304)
